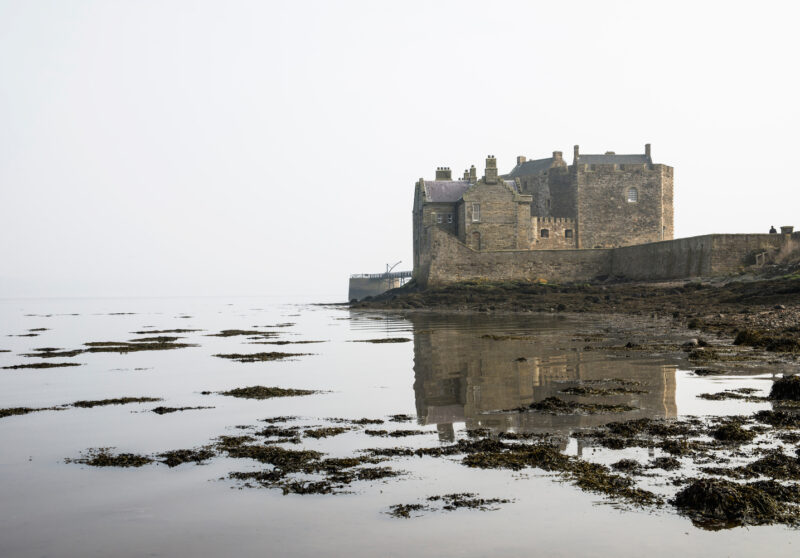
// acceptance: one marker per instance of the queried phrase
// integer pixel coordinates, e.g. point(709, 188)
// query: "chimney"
point(466, 175)
point(787, 230)
point(558, 156)
point(443, 173)
point(575, 155)
point(647, 150)
point(521, 159)
point(473, 174)
point(491, 170)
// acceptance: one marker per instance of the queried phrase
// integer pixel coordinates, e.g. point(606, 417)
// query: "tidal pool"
point(457, 375)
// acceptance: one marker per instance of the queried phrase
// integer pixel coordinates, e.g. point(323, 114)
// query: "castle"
point(602, 216)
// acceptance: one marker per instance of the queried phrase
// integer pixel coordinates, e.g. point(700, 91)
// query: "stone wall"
point(605, 216)
point(503, 222)
point(560, 233)
point(449, 260)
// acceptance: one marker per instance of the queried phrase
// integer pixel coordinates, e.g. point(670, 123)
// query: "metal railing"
point(391, 275)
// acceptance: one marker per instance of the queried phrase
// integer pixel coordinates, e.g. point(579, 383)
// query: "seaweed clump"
point(786, 388)
point(259, 357)
point(39, 365)
point(101, 457)
point(173, 458)
point(733, 432)
point(135, 345)
point(116, 401)
point(383, 340)
point(719, 503)
point(15, 411)
point(166, 410)
point(263, 392)
point(557, 406)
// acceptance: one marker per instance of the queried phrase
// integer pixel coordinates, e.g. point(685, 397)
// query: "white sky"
point(231, 147)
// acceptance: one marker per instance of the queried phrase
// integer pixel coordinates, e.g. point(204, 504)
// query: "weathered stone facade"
point(604, 215)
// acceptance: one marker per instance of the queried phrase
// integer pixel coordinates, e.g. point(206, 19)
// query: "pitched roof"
point(535, 166)
point(613, 159)
point(445, 191)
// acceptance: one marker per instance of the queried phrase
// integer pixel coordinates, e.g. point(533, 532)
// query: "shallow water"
point(450, 376)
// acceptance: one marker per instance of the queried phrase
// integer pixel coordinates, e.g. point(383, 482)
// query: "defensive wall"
point(448, 260)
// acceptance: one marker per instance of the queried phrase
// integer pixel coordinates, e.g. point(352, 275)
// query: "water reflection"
point(476, 369)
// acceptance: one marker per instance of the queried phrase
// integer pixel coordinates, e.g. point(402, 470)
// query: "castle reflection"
point(476, 369)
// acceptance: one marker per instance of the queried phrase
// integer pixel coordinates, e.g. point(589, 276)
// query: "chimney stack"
point(575, 154)
point(466, 175)
point(521, 159)
point(491, 170)
point(443, 173)
point(647, 150)
point(473, 174)
point(558, 156)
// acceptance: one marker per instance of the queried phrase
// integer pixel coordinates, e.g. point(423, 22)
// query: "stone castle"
point(602, 216)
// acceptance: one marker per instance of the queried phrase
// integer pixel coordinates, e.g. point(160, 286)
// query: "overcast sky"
point(232, 147)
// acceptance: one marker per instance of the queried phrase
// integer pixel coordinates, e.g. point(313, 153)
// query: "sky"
point(193, 148)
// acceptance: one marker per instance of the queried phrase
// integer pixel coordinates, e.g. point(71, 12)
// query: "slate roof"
point(535, 166)
point(445, 191)
point(613, 159)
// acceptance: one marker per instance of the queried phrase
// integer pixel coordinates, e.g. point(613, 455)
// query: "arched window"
point(476, 240)
point(633, 195)
point(544, 233)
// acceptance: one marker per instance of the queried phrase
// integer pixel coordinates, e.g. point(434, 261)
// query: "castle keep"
point(604, 215)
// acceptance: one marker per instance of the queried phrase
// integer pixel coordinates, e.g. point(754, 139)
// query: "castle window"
point(449, 217)
point(568, 233)
point(439, 218)
point(544, 233)
point(633, 195)
point(476, 212)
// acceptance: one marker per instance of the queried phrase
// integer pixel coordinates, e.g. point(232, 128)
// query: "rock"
point(779, 307)
point(691, 343)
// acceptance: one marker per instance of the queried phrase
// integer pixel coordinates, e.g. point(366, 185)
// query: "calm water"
point(449, 376)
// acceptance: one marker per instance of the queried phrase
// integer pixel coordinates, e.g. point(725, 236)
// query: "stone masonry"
point(604, 215)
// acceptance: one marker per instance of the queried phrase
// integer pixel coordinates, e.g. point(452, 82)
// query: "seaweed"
point(404, 511)
point(263, 392)
point(162, 331)
point(166, 410)
point(383, 340)
point(115, 401)
point(101, 457)
point(733, 432)
point(557, 406)
point(135, 345)
point(719, 503)
point(467, 500)
point(52, 352)
point(779, 419)
point(242, 332)
point(665, 463)
point(40, 365)
point(16, 411)
point(786, 388)
point(590, 391)
point(259, 357)
point(173, 458)
point(397, 433)
point(325, 432)
point(401, 418)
